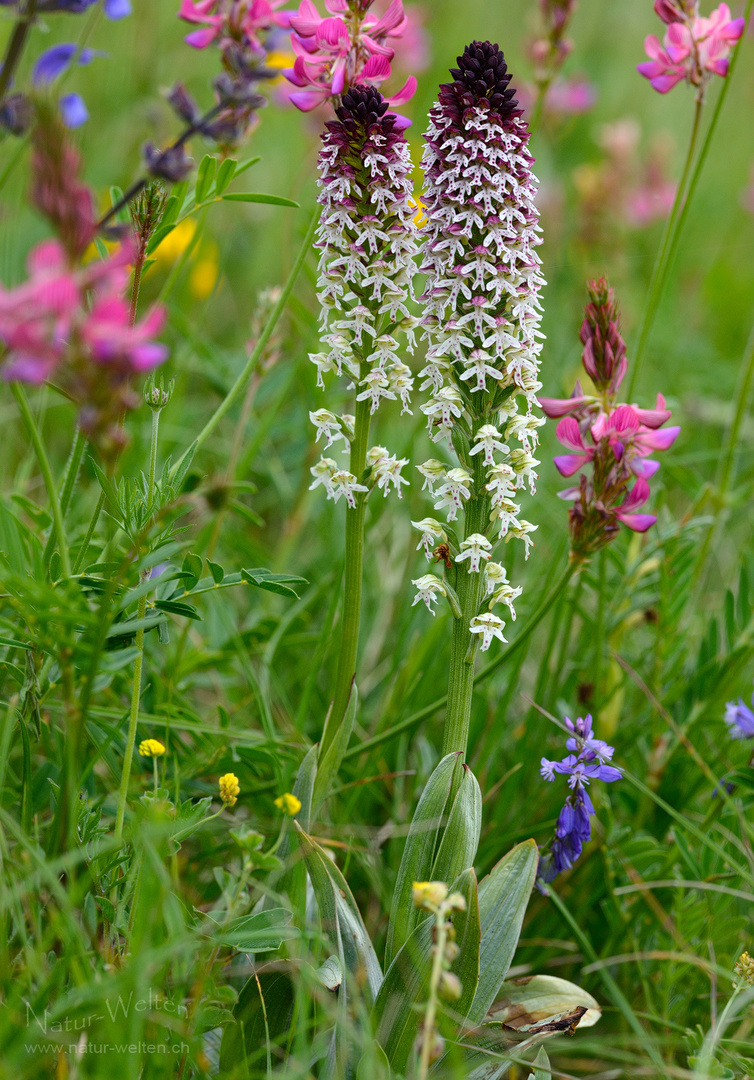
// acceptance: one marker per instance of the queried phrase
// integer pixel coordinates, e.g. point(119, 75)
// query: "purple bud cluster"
point(588, 759)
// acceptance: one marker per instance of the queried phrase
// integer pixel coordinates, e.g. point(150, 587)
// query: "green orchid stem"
point(468, 588)
point(44, 468)
point(69, 482)
point(667, 249)
point(133, 721)
point(352, 580)
point(483, 673)
point(239, 385)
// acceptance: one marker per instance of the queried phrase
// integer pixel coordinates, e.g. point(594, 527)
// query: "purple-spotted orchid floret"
point(588, 760)
point(608, 443)
point(482, 320)
point(740, 719)
point(367, 245)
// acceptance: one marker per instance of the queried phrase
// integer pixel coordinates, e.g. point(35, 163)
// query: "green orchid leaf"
point(419, 853)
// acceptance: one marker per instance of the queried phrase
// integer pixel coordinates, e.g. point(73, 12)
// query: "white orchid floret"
point(387, 471)
point(325, 365)
point(385, 352)
point(474, 548)
point(375, 454)
point(433, 472)
point(505, 512)
point(432, 535)
point(344, 483)
point(428, 588)
point(401, 381)
point(520, 531)
point(376, 389)
point(502, 482)
point(524, 464)
point(495, 575)
point(477, 369)
point(323, 473)
point(327, 424)
point(442, 409)
point(435, 373)
point(506, 594)
point(524, 428)
point(454, 492)
point(348, 423)
point(489, 626)
point(486, 441)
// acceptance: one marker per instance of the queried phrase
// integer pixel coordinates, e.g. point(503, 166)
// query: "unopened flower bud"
point(429, 894)
point(157, 397)
point(744, 968)
point(450, 986)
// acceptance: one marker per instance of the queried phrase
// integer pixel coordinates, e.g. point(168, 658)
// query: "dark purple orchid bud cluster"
point(482, 317)
point(367, 241)
point(610, 441)
point(587, 759)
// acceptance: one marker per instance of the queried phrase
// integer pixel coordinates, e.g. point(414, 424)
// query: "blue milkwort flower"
point(588, 760)
point(51, 64)
point(740, 719)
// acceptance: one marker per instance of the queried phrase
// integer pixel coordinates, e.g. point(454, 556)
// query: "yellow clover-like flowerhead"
point(229, 789)
point(289, 804)
point(151, 748)
point(429, 894)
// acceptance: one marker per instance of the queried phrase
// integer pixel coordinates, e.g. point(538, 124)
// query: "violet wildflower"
point(740, 719)
point(113, 9)
point(694, 47)
point(343, 50)
point(612, 441)
point(481, 323)
point(587, 760)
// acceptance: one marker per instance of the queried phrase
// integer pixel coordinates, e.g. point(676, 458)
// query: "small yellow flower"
point(420, 218)
point(204, 275)
point(151, 748)
point(229, 789)
point(429, 894)
point(289, 804)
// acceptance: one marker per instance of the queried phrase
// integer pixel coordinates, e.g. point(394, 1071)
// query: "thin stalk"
point(238, 386)
point(463, 643)
point(44, 467)
point(441, 941)
point(133, 720)
point(16, 46)
point(663, 259)
point(140, 184)
point(352, 581)
point(89, 534)
point(69, 482)
point(483, 673)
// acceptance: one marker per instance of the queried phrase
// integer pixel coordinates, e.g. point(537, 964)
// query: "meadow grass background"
point(264, 664)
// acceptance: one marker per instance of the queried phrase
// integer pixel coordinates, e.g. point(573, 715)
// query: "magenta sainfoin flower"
point(367, 243)
point(73, 325)
point(694, 47)
point(609, 443)
point(347, 48)
point(482, 317)
point(234, 20)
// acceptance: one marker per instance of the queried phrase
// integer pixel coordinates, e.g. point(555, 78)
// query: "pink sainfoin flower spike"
point(237, 20)
point(693, 48)
point(609, 443)
point(73, 324)
point(348, 48)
